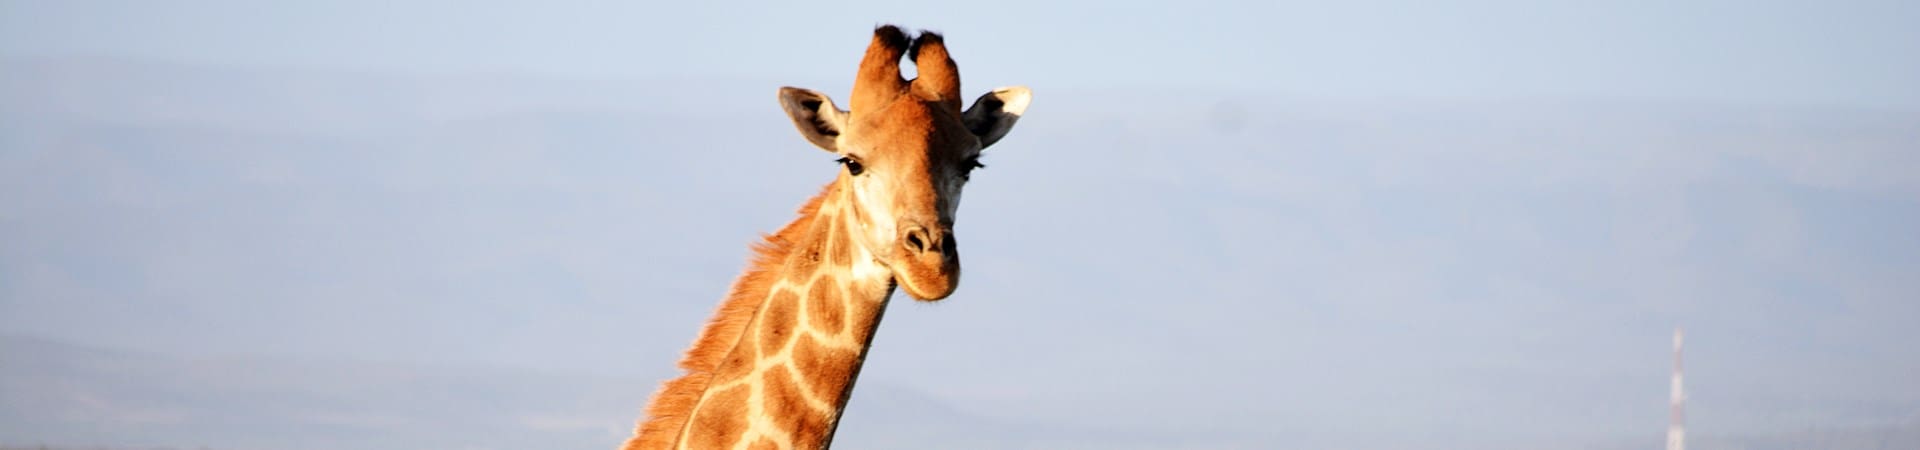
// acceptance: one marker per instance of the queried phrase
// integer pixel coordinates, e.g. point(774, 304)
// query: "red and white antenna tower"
point(1676, 427)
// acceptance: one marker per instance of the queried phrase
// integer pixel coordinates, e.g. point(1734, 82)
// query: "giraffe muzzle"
point(929, 263)
point(919, 241)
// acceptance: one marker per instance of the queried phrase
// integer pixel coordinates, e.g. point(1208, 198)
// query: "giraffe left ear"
point(815, 115)
point(993, 115)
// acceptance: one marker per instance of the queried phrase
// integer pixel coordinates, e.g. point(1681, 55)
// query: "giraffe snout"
point(920, 242)
point(928, 265)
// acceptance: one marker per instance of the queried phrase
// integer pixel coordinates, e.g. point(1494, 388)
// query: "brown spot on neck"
point(787, 404)
point(826, 307)
point(777, 322)
point(724, 423)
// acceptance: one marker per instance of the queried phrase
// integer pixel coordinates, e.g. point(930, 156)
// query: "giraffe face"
point(906, 151)
point(905, 168)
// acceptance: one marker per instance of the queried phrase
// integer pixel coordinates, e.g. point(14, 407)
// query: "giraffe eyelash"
point(853, 165)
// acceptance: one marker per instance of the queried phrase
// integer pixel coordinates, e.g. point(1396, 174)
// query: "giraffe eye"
point(853, 166)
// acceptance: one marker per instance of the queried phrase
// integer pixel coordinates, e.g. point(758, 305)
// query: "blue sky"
point(1457, 225)
point(1820, 53)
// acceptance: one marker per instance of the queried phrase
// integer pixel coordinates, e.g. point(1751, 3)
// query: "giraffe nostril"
point(916, 240)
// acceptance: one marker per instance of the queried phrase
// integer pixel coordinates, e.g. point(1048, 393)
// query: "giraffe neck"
point(789, 376)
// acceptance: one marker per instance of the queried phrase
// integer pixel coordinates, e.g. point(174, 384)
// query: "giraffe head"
point(906, 150)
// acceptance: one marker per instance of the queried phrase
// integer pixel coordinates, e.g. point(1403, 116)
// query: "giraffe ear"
point(815, 115)
point(993, 115)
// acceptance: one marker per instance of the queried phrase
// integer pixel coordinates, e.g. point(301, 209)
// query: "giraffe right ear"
point(993, 115)
point(815, 115)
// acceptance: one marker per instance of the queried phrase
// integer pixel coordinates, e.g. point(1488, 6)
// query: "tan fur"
point(675, 400)
point(775, 365)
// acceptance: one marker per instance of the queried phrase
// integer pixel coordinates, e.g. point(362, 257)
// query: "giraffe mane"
point(673, 404)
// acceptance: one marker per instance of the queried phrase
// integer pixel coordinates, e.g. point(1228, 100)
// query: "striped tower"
point(1676, 427)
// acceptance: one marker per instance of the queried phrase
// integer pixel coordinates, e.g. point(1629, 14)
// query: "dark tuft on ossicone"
point(926, 37)
point(893, 37)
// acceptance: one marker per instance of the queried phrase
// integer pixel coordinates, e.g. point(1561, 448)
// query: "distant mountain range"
point(67, 396)
point(73, 397)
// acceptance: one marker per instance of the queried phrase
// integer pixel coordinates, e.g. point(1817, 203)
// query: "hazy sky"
point(1850, 53)
point(1431, 225)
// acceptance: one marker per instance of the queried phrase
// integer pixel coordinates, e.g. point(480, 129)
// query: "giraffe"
point(776, 364)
